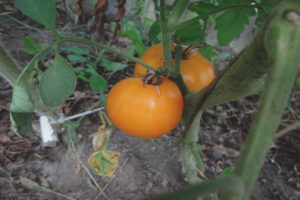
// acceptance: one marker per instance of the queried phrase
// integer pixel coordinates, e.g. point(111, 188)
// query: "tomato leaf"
point(21, 101)
point(266, 8)
point(42, 11)
point(76, 50)
point(112, 66)
point(208, 52)
point(90, 75)
point(21, 123)
point(201, 7)
point(77, 57)
point(227, 171)
point(297, 84)
point(154, 33)
point(58, 82)
point(31, 47)
point(99, 141)
point(104, 162)
point(190, 34)
point(232, 21)
point(130, 31)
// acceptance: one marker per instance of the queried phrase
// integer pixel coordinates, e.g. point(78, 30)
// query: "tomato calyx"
point(187, 50)
point(152, 78)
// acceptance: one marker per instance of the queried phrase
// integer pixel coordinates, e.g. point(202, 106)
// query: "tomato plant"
point(196, 71)
point(145, 110)
point(149, 111)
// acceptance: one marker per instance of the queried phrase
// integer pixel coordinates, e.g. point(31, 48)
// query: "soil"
point(146, 167)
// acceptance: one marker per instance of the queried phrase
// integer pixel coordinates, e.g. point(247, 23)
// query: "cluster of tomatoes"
point(148, 110)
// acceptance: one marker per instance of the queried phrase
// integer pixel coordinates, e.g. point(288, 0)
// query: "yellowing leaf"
point(99, 141)
point(104, 162)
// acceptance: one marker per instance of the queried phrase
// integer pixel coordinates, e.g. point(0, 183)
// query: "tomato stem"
point(166, 36)
point(176, 13)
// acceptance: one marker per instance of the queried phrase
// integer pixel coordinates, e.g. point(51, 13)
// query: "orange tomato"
point(144, 110)
point(196, 71)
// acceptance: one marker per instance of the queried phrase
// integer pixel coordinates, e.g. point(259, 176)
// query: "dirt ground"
point(146, 167)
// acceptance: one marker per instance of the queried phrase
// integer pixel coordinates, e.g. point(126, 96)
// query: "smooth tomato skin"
point(152, 56)
point(141, 110)
point(298, 69)
point(197, 72)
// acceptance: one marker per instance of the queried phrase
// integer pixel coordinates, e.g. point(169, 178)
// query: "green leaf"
point(227, 171)
point(148, 22)
point(201, 7)
point(297, 84)
point(31, 47)
point(112, 66)
point(190, 34)
point(90, 75)
point(21, 101)
point(21, 123)
point(154, 32)
point(42, 11)
point(130, 51)
point(231, 23)
point(130, 31)
point(208, 52)
point(266, 8)
point(58, 82)
point(214, 196)
point(77, 57)
point(76, 50)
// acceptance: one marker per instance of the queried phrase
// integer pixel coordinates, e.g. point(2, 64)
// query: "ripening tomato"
point(196, 71)
point(298, 69)
point(144, 110)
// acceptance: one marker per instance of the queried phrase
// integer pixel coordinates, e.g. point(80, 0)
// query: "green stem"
point(282, 35)
point(188, 154)
point(205, 15)
point(227, 183)
point(176, 13)
point(108, 48)
point(34, 59)
point(166, 36)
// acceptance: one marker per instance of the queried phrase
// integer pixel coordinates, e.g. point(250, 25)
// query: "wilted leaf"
point(99, 141)
point(29, 183)
point(21, 101)
point(104, 162)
